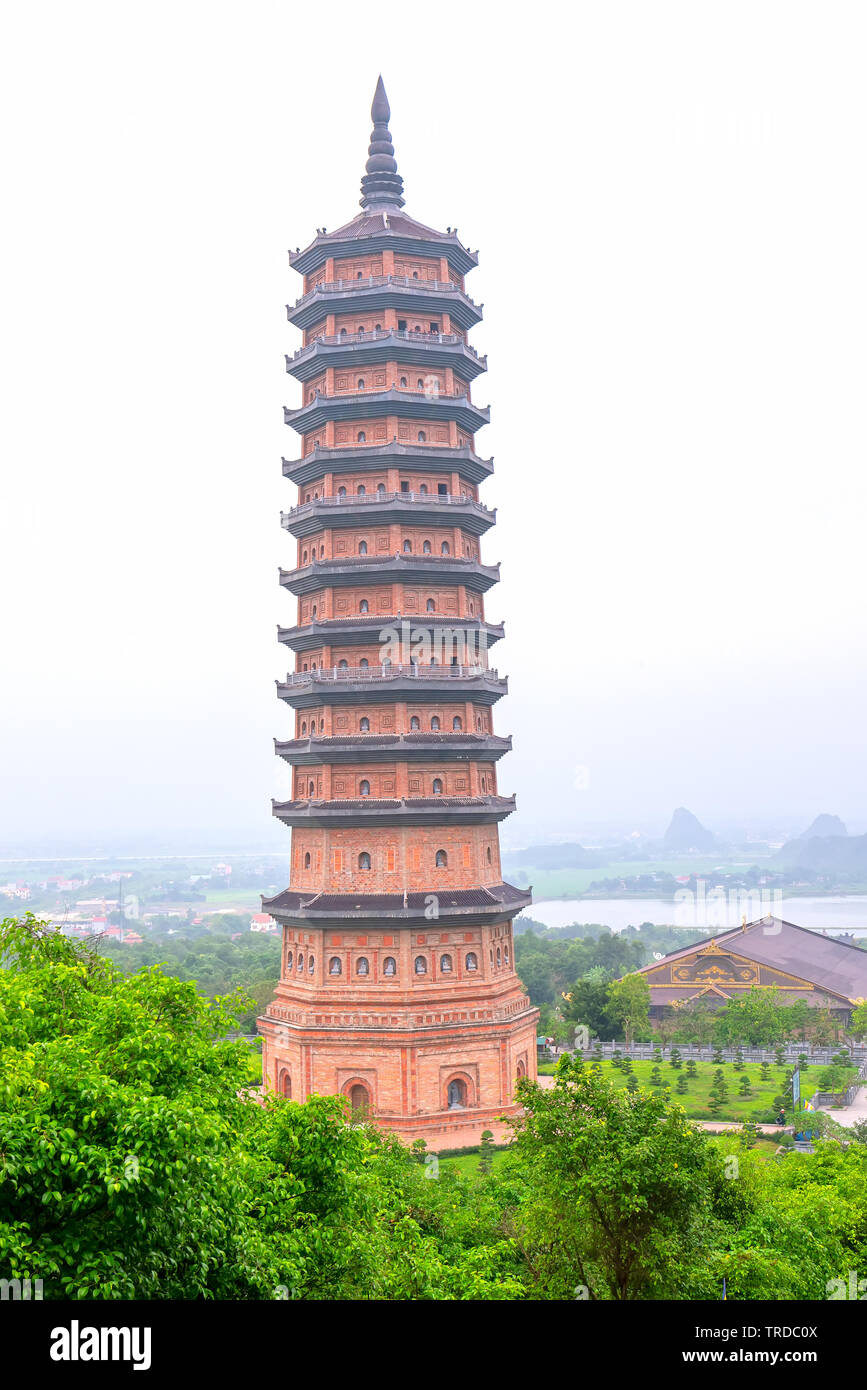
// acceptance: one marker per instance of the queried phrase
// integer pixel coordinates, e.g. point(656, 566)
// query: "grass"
point(696, 1102)
point(568, 883)
point(468, 1164)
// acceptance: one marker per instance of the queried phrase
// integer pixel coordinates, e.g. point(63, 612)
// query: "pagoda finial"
point(381, 185)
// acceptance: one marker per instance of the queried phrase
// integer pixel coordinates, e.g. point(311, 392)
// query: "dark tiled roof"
point(834, 965)
point(500, 895)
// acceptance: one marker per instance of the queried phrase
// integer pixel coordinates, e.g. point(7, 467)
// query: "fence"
point(816, 1056)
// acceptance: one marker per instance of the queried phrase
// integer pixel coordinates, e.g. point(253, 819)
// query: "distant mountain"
point(554, 857)
point(825, 854)
point(824, 826)
point(687, 832)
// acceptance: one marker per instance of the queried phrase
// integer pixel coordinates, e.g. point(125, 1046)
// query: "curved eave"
point(374, 457)
point(408, 569)
point(310, 517)
point(309, 689)
point(322, 248)
point(424, 351)
point(437, 810)
point(369, 405)
point(388, 748)
point(348, 632)
point(420, 298)
point(291, 906)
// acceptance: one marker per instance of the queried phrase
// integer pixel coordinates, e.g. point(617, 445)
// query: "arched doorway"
point(359, 1100)
point(286, 1085)
point(456, 1094)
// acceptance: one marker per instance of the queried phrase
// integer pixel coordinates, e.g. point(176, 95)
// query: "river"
point(711, 914)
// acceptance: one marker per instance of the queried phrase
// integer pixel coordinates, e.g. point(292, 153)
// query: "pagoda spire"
point(381, 186)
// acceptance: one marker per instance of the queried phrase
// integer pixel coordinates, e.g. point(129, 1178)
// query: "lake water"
point(713, 913)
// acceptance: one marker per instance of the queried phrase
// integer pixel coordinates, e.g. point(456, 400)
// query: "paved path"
point(850, 1114)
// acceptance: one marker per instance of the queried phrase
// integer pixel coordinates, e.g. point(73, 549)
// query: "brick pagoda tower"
point(398, 987)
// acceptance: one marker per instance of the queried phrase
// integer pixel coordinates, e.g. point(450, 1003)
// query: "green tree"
point(629, 1005)
point(621, 1191)
point(486, 1151)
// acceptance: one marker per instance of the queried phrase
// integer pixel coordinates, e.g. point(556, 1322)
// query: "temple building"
point(398, 986)
point(803, 965)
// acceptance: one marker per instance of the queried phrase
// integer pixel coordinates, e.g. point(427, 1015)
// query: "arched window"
point(362, 437)
point(363, 663)
point(310, 788)
point(430, 606)
point(435, 723)
point(445, 964)
point(314, 611)
point(341, 492)
point(499, 958)
point(472, 961)
point(307, 860)
point(362, 966)
point(304, 726)
point(403, 381)
point(287, 1085)
point(364, 788)
point(361, 490)
point(300, 965)
point(380, 487)
point(407, 547)
point(304, 557)
point(442, 859)
point(422, 437)
point(437, 787)
point(415, 277)
point(457, 1094)
point(489, 854)
point(364, 726)
point(361, 330)
point(361, 383)
point(364, 606)
point(506, 954)
point(389, 966)
point(522, 1070)
point(362, 547)
point(425, 550)
point(359, 1099)
point(414, 722)
point(335, 966)
point(311, 965)
point(457, 724)
point(423, 489)
point(289, 960)
point(444, 548)
point(343, 664)
point(364, 860)
point(420, 965)
point(420, 383)
point(343, 332)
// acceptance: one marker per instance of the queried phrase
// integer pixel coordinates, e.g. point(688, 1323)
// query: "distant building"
point(770, 953)
point(263, 921)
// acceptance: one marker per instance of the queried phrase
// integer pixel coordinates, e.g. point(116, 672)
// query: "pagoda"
point(398, 986)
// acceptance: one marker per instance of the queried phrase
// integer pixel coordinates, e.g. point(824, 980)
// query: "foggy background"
point(669, 202)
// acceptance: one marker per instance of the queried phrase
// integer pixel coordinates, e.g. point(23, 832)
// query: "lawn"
point(696, 1102)
point(468, 1164)
point(568, 883)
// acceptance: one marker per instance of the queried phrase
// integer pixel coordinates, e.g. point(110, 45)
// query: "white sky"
point(669, 201)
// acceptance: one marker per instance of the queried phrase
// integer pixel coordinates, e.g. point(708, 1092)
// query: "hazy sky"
point(669, 202)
